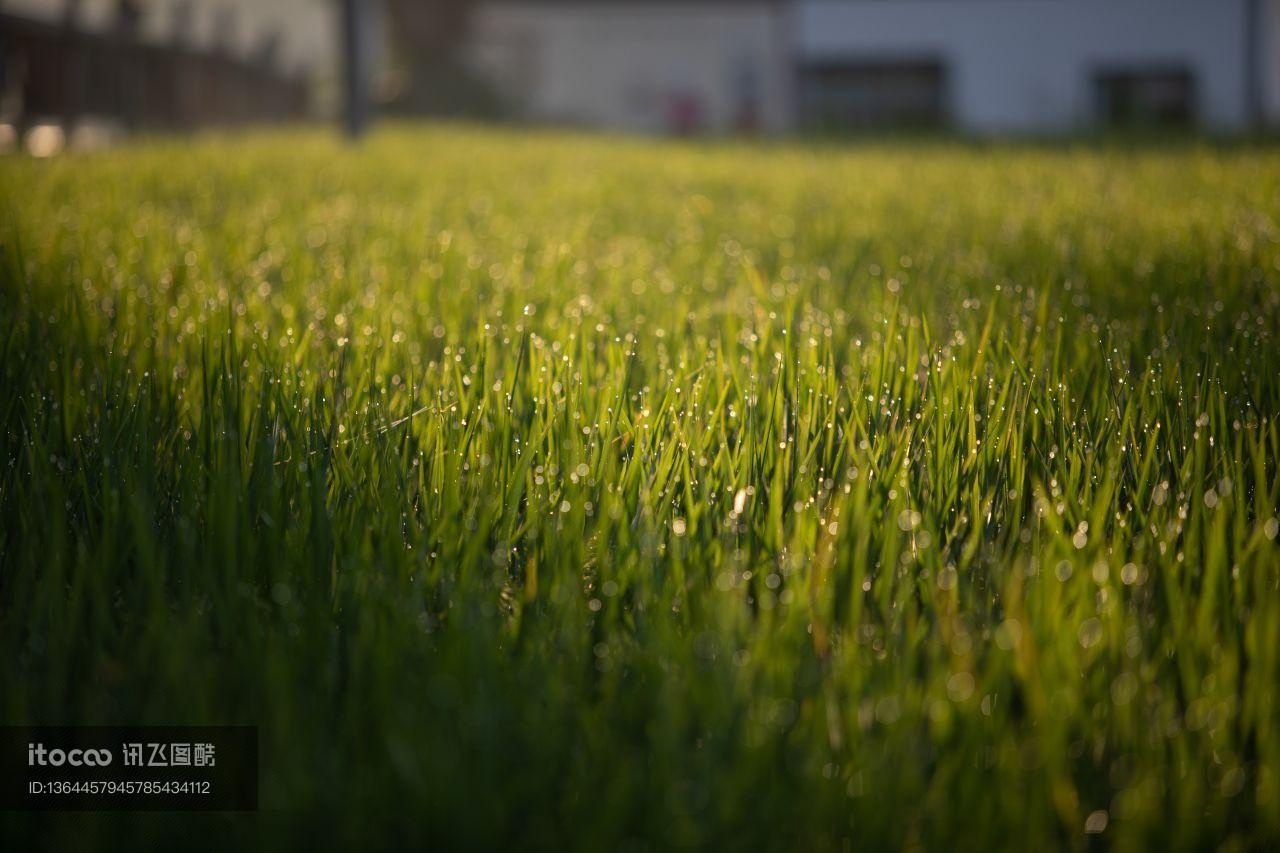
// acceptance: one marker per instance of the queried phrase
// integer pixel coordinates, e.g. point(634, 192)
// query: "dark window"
point(1154, 97)
point(867, 94)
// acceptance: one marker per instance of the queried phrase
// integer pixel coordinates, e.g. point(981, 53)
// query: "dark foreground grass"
point(589, 493)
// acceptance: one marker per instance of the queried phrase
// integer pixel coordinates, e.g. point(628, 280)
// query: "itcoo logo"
point(37, 755)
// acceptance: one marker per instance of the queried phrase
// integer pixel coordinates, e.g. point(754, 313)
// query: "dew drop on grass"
point(1009, 634)
point(1090, 632)
point(282, 594)
point(1123, 688)
point(960, 686)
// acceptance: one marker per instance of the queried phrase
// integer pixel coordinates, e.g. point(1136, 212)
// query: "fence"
point(56, 72)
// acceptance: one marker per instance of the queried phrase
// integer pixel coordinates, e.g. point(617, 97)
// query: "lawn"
point(540, 489)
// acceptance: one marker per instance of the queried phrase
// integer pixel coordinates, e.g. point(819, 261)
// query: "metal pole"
point(1252, 73)
point(355, 47)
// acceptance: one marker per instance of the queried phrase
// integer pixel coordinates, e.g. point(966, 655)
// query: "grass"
point(569, 491)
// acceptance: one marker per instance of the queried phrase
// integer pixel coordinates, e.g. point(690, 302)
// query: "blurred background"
point(82, 73)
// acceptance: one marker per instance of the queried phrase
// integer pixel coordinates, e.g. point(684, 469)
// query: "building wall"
point(640, 66)
point(1027, 65)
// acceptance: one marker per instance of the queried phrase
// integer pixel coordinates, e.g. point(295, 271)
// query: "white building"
point(639, 65)
point(986, 66)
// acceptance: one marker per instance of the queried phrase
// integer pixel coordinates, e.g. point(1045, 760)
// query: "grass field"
point(555, 490)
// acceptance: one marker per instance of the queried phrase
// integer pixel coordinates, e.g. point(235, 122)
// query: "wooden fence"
point(55, 72)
